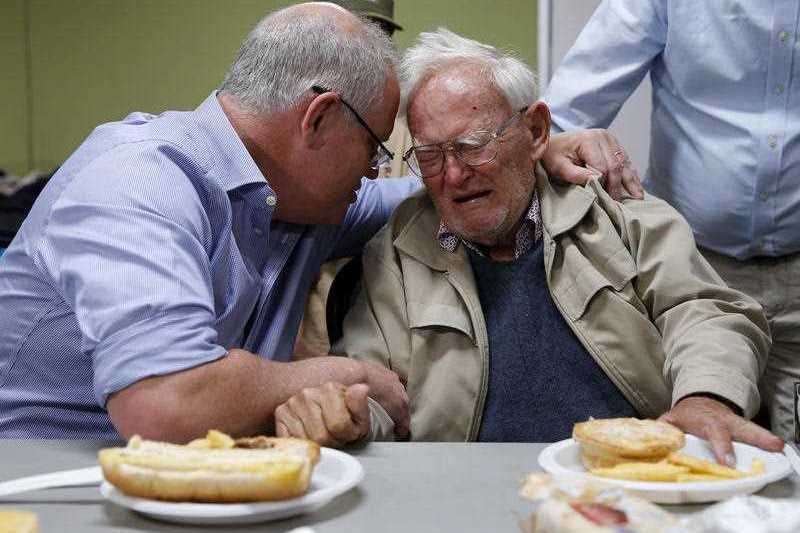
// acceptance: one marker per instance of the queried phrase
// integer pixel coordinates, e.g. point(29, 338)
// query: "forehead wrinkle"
point(453, 103)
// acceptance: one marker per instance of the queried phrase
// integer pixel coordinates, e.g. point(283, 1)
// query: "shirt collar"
point(528, 234)
point(236, 166)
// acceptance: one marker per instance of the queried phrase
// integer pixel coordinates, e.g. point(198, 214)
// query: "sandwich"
point(13, 521)
point(570, 504)
point(608, 442)
point(216, 469)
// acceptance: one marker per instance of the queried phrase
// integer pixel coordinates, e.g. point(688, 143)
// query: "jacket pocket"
point(437, 315)
point(576, 291)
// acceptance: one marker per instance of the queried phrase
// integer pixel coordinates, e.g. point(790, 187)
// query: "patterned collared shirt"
point(528, 234)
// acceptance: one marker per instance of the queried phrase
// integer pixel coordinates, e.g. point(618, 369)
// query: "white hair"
point(435, 51)
point(292, 49)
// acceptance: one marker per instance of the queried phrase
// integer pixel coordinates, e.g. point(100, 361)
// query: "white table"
point(408, 487)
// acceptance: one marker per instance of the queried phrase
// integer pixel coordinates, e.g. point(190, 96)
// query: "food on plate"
point(12, 521)
point(216, 469)
point(678, 467)
point(701, 466)
point(570, 504)
point(642, 471)
point(757, 467)
point(646, 450)
point(608, 442)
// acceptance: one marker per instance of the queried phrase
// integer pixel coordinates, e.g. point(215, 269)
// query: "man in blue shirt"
point(165, 242)
point(157, 285)
point(725, 140)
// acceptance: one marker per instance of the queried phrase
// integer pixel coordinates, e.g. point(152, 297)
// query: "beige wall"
point(93, 61)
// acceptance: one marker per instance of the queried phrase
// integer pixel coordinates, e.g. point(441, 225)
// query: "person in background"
point(512, 306)
point(157, 285)
point(725, 141)
point(381, 12)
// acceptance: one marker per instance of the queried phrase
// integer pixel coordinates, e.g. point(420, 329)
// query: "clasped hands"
point(334, 415)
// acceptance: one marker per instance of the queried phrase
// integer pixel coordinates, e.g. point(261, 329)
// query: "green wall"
point(14, 108)
point(69, 65)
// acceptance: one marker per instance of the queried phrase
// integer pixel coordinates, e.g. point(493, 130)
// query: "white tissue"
point(753, 514)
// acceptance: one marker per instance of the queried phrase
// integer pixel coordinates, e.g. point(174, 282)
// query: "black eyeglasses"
point(383, 156)
point(475, 148)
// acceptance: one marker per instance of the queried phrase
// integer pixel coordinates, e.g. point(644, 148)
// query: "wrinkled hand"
point(571, 152)
point(386, 389)
point(331, 415)
point(715, 422)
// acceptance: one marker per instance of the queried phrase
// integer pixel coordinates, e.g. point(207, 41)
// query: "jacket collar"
point(563, 205)
point(562, 208)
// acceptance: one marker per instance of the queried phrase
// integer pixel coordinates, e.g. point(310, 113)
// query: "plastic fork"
point(65, 478)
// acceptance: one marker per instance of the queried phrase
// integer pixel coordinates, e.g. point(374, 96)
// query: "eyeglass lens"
point(474, 149)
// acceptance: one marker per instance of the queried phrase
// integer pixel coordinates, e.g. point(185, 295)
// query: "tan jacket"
point(627, 278)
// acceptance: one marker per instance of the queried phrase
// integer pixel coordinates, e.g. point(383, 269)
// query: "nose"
point(455, 171)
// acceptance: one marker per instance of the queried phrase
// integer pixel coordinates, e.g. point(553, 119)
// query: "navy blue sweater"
point(541, 378)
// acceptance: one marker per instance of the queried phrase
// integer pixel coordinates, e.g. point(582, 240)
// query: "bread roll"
point(212, 470)
point(12, 521)
point(608, 442)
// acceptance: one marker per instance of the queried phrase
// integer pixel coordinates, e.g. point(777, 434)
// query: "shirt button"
point(783, 36)
point(764, 196)
point(271, 200)
point(258, 232)
point(772, 142)
point(779, 88)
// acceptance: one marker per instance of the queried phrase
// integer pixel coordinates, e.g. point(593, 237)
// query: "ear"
point(319, 119)
point(537, 119)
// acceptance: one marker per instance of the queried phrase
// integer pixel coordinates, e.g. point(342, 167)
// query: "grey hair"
point(435, 51)
point(292, 49)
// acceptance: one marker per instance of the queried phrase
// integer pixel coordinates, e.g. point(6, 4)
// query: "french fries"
point(757, 467)
point(642, 471)
point(706, 468)
point(678, 467)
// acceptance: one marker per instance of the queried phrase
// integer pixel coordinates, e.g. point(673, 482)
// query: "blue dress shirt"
point(725, 128)
point(148, 253)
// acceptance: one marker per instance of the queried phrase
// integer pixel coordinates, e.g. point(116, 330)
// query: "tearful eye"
point(428, 157)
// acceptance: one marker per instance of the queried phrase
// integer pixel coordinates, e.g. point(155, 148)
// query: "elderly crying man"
point(511, 305)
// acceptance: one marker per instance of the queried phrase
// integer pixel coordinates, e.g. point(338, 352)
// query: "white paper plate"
point(564, 458)
point(336, 473)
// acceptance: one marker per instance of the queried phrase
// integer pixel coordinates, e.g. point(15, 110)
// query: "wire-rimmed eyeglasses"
point(383, 156)
point(474, 149)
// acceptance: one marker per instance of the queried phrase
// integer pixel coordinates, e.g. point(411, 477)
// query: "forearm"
point(237, 394)
point(606, 63)
point(715, 338)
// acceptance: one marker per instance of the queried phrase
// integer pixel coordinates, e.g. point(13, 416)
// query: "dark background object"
point(341, 296)
point(14, 208)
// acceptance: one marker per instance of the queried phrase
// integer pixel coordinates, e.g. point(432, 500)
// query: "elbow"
point(136, 410)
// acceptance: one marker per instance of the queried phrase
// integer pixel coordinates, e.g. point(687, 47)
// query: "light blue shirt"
point(725, 128)
point(153, 250)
